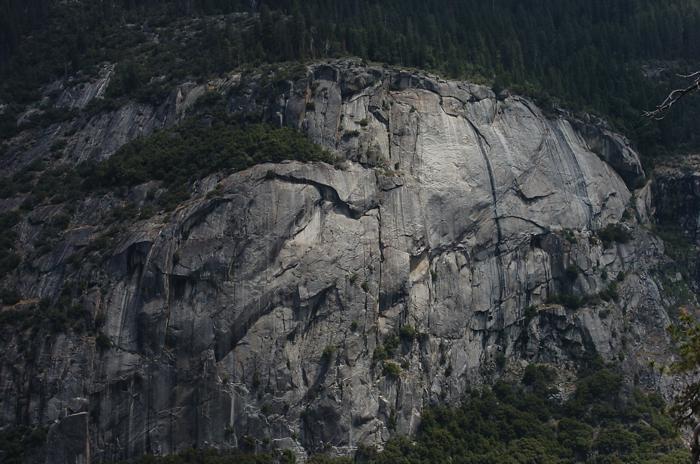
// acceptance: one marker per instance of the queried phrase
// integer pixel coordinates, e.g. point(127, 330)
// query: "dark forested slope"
point(614, 57)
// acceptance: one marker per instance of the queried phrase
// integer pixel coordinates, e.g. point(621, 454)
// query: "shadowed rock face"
point(674, 199)
point(675, 193)
point(251, 317)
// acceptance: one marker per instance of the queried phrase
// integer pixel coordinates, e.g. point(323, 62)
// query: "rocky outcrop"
point(675, 193)
point(316, 307)
point(68, 441)
point(611, 147)
point(78, 95)
point(99, 127)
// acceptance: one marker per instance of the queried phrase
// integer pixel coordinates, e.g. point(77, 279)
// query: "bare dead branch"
point(690, 76)
point(660, 111)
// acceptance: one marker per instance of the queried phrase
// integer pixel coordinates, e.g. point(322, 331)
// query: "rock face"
point(675, 193)
point(674, 199)
point(613, 148)
point(316, 307)
point(68, 440)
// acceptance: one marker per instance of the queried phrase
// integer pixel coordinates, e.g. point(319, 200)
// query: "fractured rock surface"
point(252, 316)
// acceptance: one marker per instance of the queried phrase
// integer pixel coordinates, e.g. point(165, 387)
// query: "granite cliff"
point(460, 236)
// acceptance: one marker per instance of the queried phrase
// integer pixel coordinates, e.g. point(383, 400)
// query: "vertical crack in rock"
point(381, 252)
point(132, 303)
point(385, 121)
point(579, 180)
point(481, 140)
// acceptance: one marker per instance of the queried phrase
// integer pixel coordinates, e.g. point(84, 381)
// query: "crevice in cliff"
point(200, 214)
point(483, 144)
point(529, 221)
point(386, 122)
point(529, 200)
point(284, 270)
point(472, 99)
point(481, 140)
point(327, 193)
point(416, 159)
point(385, 188)
point(376, 112)
point(314, 302)
point(381, 257)
point(526, 104)
point(604, 205)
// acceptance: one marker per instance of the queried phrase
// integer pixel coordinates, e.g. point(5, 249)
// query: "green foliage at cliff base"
point(518, 424)
point(603, 422)
point(18, 445)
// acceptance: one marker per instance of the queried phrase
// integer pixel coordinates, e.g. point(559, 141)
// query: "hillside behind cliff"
point(312, 257)
point(616, 58)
